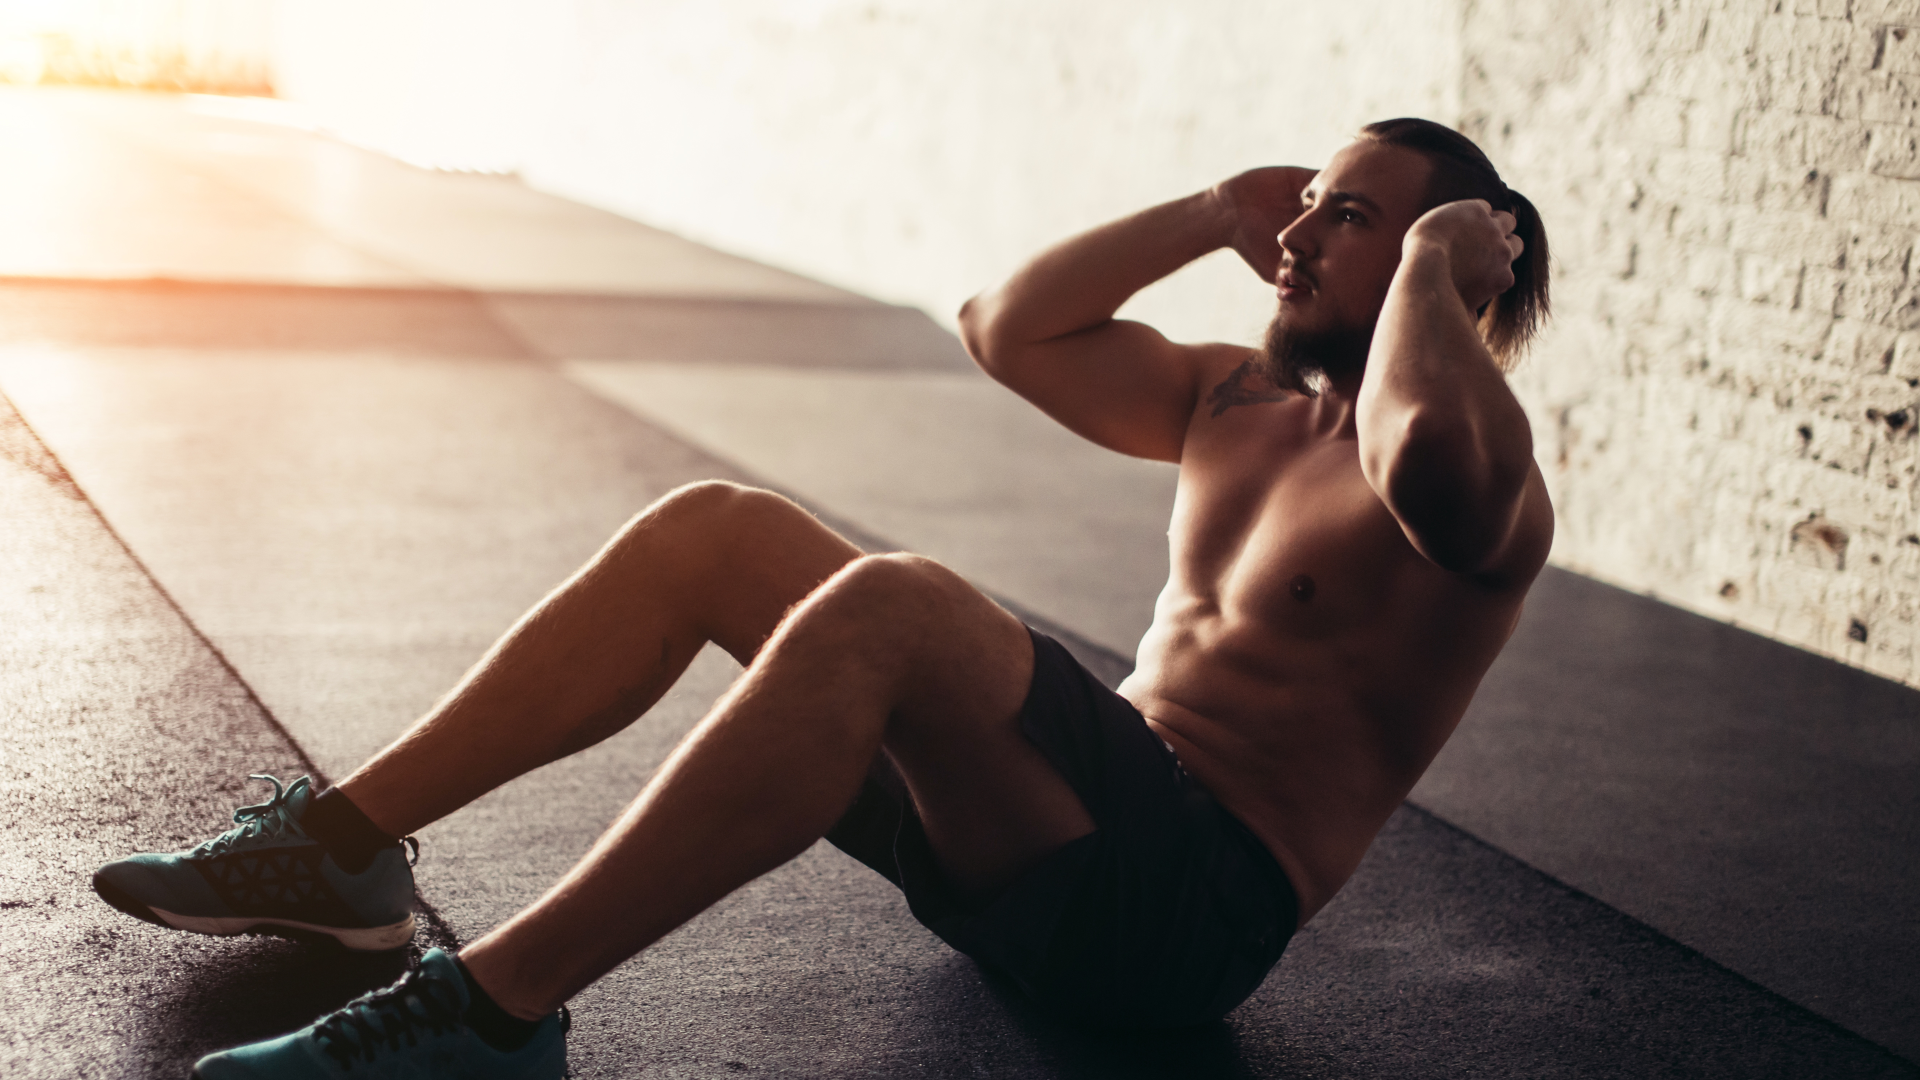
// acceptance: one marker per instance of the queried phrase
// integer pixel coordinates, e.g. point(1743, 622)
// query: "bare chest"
point(1280, 528)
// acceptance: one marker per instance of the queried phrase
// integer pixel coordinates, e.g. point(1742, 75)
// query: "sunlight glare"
point(218, 46)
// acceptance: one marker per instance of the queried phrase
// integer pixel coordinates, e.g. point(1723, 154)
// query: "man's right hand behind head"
point(1479, 243)
point(1262, 202)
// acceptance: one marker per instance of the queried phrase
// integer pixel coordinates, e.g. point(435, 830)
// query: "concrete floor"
point(264, 509)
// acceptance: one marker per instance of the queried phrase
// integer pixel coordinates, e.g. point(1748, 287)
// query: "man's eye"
point(1353, 216)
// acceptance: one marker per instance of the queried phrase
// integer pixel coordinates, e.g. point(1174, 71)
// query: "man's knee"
point(960, 657)
point(900, 590)
point(707, 516)
point(897, 573)
point(710, 504)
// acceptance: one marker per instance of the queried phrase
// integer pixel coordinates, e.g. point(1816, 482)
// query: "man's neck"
point(1333, 408)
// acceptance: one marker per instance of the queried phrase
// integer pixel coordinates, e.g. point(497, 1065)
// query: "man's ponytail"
point(1462, 171)
point(1513, 318)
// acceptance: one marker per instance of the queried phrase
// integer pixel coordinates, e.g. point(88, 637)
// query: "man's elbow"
point(1471, 547)
point(1460, 509)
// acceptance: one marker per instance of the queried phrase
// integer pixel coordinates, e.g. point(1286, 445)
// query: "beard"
point(1307, 361)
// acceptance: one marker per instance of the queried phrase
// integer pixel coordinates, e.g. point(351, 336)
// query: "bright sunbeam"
point(216, 46)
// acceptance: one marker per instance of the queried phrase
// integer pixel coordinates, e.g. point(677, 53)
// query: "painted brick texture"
point(1726, 407)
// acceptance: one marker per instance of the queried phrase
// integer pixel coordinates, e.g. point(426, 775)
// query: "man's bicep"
point(1120, 384)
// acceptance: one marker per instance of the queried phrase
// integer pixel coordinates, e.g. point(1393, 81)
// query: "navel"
point(1301, 587)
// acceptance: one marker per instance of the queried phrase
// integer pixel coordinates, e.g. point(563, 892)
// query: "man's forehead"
point(1387, 176)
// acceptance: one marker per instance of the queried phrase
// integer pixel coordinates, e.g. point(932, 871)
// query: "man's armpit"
point(1233, 390)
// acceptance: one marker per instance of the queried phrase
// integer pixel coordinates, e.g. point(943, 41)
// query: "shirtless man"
point(1358, 520)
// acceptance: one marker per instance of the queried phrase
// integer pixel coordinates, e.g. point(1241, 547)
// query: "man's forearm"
point(1442, 438)
point(1079, 283)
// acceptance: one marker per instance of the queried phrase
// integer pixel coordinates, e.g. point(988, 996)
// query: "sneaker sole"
point(359, 939)
point(370, 939)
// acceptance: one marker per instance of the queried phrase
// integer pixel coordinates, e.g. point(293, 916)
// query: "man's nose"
point(1297, 238)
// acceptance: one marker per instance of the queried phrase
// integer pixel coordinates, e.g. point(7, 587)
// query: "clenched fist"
point(1479, 243)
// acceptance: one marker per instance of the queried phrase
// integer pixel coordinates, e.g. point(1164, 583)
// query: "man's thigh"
point(991, 803)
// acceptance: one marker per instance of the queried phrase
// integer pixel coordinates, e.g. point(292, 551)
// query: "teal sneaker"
point(413, 1028)
point(266, 876)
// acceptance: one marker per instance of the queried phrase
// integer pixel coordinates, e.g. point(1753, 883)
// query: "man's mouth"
point(1293, 282)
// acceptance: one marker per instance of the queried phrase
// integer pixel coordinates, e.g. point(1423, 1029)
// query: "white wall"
point(911, 151)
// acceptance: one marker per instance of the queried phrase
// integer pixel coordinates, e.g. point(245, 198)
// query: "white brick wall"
point(1726, 408)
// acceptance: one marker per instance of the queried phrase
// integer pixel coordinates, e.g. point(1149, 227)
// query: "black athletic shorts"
point(1169, 914)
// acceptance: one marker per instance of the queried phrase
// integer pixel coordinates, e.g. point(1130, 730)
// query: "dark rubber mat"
point(1755, 801)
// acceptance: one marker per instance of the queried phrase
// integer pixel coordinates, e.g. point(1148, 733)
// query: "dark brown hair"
point(1462, 171)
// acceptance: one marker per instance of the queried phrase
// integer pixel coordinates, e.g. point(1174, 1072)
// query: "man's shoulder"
point(1236, 378)
point(1231, 376)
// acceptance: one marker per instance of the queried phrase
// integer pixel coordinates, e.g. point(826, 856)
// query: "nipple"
point(1301, 587)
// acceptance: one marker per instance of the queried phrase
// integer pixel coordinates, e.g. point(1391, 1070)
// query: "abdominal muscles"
point(1311, 723)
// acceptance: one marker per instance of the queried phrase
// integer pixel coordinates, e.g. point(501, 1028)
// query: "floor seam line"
point(226, 665)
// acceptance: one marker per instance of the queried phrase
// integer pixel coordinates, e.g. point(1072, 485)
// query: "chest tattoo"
point(1234, 391)
point(1301, 587)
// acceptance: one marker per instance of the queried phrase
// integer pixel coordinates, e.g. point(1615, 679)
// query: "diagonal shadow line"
point(20, 442)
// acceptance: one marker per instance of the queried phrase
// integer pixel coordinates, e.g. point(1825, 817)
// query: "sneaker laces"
point(269, 820)
point(272, 820)
point(419, 1003)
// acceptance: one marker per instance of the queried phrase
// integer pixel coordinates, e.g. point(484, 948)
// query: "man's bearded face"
point(1306, 360)
point(1338, 261)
